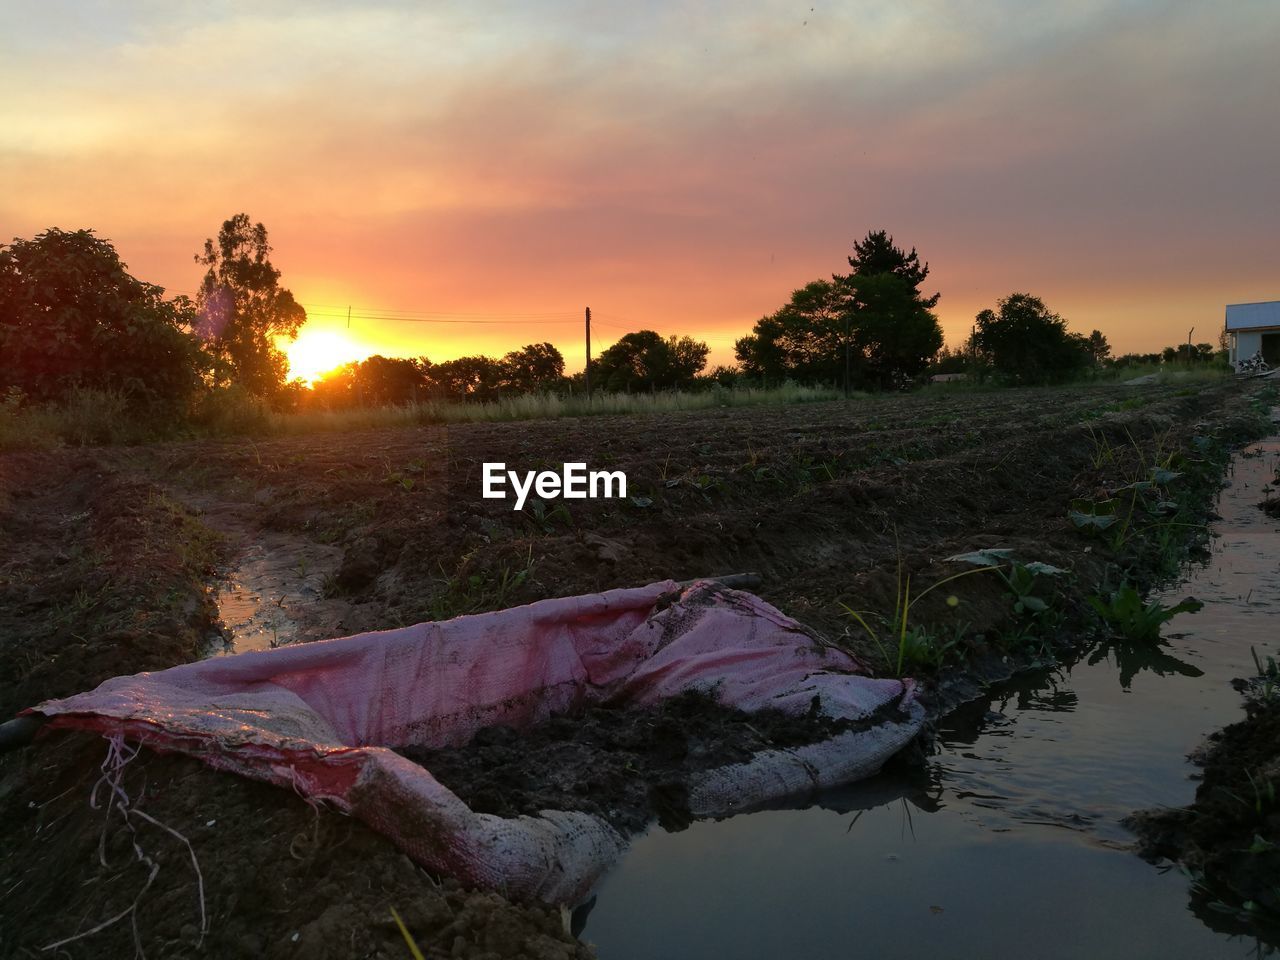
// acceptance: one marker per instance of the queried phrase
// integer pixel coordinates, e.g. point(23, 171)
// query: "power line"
point(476, 316)
point(612, 321)
point(342, 311)
point(384, 318)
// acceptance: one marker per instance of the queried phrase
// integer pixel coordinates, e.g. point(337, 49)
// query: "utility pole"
point(586, 373)
point(348, 316)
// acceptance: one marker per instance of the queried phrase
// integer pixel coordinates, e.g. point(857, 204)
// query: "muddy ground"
point(111, 558)
point(628, 766)
point(1230, 836)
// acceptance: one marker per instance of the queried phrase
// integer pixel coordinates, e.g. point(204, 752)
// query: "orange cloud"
point(674, 169)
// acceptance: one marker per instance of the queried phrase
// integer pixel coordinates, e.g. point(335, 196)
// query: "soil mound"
point(624, 765)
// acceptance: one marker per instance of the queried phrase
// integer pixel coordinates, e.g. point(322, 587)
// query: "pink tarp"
point(321, 717)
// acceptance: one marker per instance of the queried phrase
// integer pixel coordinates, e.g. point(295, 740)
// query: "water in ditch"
point(1009, 842)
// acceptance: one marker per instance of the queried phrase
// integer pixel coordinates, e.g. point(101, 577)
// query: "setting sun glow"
point(316, 352)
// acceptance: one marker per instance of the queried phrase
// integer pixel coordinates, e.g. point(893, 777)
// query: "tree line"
point(72, 316)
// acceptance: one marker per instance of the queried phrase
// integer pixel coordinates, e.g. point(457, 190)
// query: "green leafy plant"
point(1264, 794)
point(1093, 516)
point(1134, 619)
point(472, 593)
point(1103, 453)
point(543, 517)
point(1018, 577)
point(1268, 669)
point(1268, 673)
point(1021, 580)
point(915, 645)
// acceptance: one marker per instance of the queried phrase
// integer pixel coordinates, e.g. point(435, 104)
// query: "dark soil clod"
point(628, 766)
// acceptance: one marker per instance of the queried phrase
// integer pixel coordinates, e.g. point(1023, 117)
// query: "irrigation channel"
point(1009, 842)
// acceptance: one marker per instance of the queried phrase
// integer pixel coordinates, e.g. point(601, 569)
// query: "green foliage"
point(1128, 615)
point(915, 646)
point(1268, 669)
point(1268, 680)
point(231, 410)
point(1019, 578)
point(243, 309)
point(480, 591)
point(1262, 794)
point(645, 361)
point(72, 318)
point(1021, 581)
point(1025, 342)
point(1093, 516)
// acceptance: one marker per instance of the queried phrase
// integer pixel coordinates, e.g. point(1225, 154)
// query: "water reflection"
point(1130, 659)
point(1006, 839)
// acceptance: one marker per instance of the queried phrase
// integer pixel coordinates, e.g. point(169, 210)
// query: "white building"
point(1254, 328)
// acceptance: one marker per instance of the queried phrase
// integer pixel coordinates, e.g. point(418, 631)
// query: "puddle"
point(1009, 843)
point(274, 593)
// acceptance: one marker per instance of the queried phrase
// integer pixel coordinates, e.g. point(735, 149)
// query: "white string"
point(119, 756)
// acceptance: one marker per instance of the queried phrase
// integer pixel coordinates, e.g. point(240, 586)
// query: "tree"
point(876, 255)
point(802, 341)
point(644, 360)
point(686, 358)
point(893, 326)
point(468, 378)
point(387, 381)
point(950, 361)
point(243, 309)
point(1026, 342)
point(871, 326)
point(534, 367)
point(376, 381)
point(72, 316)
point(894, 335)
point(1098, 347)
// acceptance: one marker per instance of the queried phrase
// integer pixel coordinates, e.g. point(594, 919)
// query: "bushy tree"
point(390, 381)
point(468, 378)
point(1026, 342)
point(1099, 348)
point(71, 316)
point(534, 367)
point(876, 254)
point(872, 326)
point(893, 334)
point(722, 376)
point(243, 309)
point(376, 381)
point(1134, 360)
point(644, 360)
point(1189, 353)
point(802, 341)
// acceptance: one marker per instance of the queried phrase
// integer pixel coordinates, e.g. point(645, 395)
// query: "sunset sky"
point(676, 167)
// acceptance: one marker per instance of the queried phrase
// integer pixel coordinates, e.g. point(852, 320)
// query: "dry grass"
point(98, 417)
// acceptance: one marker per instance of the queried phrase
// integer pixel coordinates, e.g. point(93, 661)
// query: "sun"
point(316, 352)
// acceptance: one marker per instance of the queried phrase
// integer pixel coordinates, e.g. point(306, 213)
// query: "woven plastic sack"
point(321, 717)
